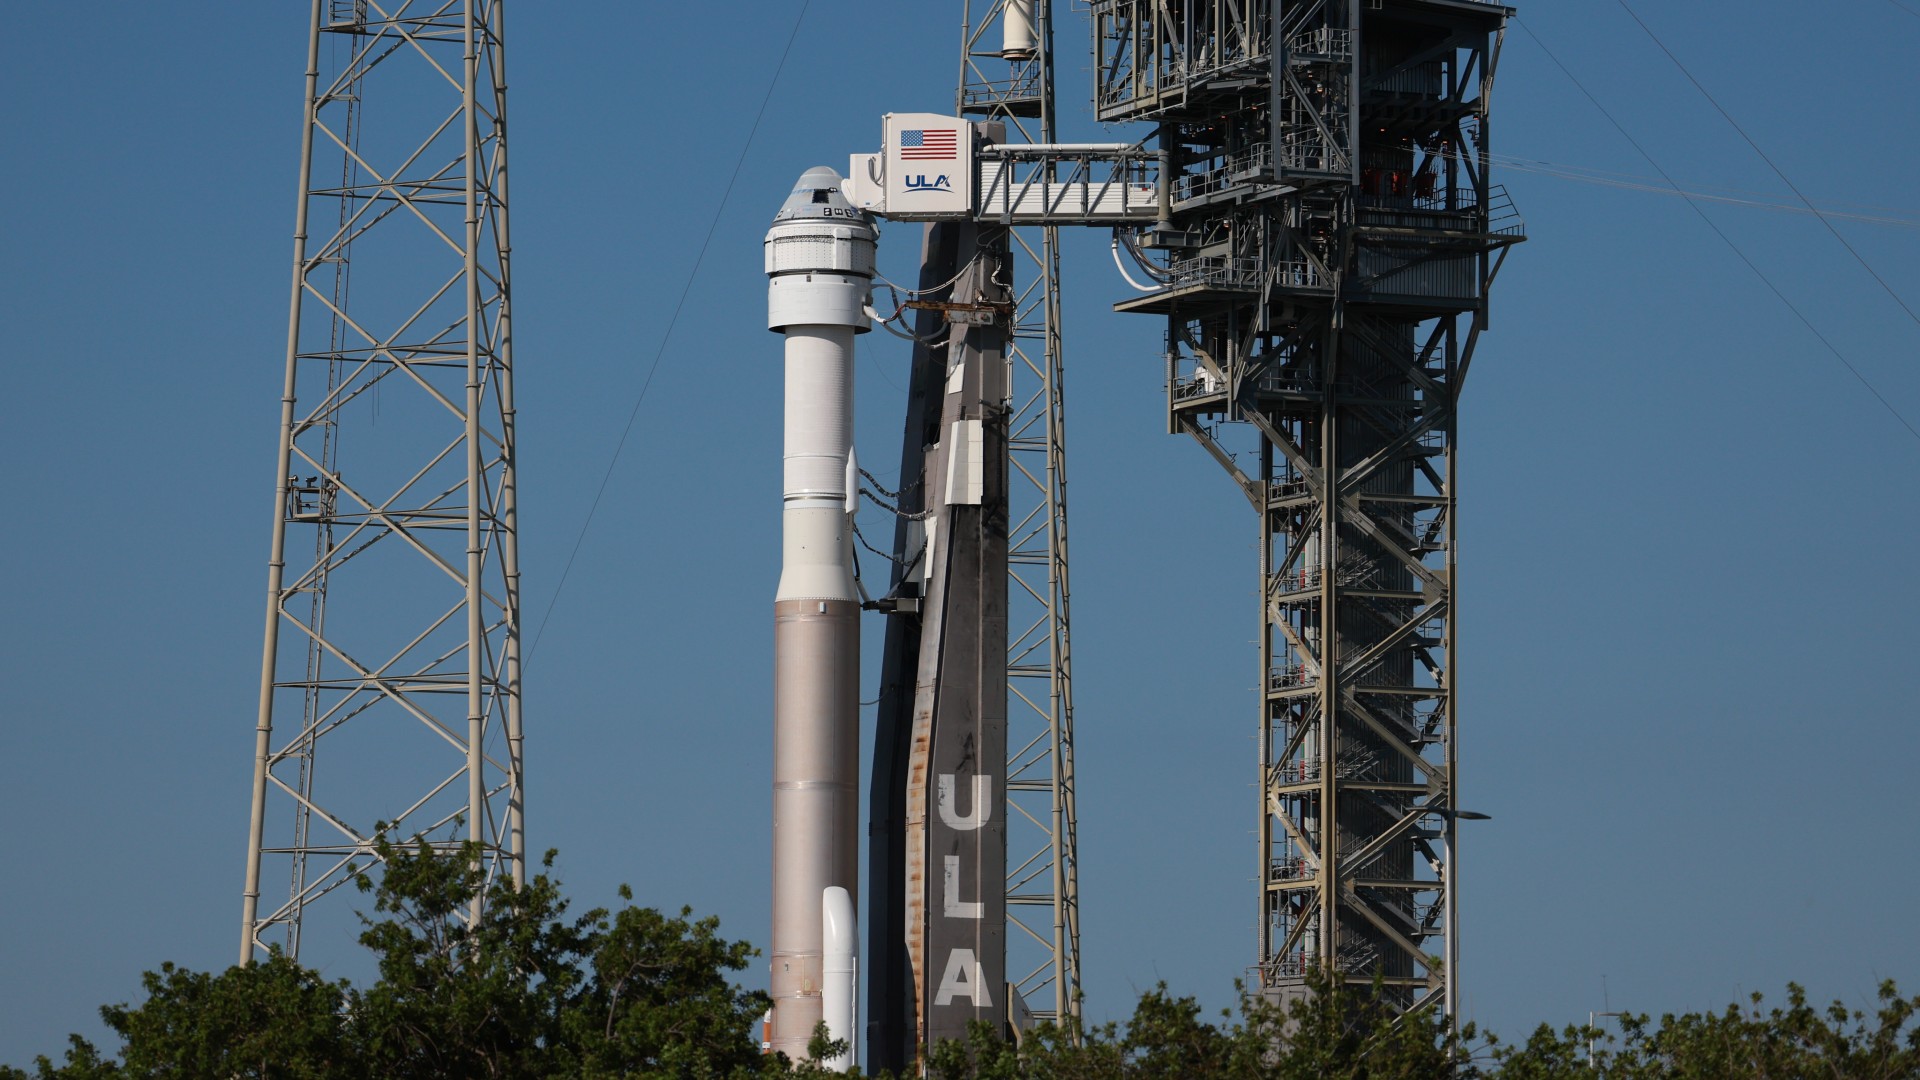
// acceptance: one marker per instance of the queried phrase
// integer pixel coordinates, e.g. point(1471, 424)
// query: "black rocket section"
point(956, 819)
point(889, 975)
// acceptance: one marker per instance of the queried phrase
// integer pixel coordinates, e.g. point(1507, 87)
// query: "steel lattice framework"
point(393, 608)
point(1043, 901)
point(1323, 272)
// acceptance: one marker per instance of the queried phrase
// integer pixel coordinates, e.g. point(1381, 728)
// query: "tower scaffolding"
point(1323, 268)
point(1013, 84)
point(397, 644)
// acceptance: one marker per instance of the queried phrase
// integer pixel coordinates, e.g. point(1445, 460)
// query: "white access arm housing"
point(938, 168)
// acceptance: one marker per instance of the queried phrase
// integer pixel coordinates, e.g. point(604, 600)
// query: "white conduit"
point(887, 325)
point(1122, 267)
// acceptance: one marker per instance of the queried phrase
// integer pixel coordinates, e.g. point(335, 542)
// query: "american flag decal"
point(929, 144)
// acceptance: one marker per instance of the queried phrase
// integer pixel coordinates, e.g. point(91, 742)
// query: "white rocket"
point(819, 257)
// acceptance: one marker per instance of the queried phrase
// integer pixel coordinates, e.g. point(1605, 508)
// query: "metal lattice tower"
point(393, 607)
point(1014, 85)
point(1323, 273)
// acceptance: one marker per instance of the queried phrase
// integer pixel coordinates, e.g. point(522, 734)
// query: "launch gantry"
point(1320, 234)
point(1010, 81)
point(1322, 270)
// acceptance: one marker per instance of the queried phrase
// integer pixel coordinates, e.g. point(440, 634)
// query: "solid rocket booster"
point(819, 257)
point(837, 992)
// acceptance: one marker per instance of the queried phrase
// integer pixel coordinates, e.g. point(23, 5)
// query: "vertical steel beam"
point(516, 796)
point(277, 561)
point(476, 471)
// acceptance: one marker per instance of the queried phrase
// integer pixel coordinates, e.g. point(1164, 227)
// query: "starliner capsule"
point(820, 265)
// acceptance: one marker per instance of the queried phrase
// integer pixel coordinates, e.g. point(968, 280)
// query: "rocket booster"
point(820, 265)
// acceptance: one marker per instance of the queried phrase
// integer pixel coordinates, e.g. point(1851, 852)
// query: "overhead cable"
point(910, 515)
point(906, 565)
point(1727, 196)
point(917, 293)
point(882, 488)
point(666, 335)
point(1777, 171)
point(1728, 240)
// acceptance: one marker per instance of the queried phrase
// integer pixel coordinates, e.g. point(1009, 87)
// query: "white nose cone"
point(818, 195)
point(819, 257)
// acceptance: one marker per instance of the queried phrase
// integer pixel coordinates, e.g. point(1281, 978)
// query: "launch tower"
point(390, 677)
point(1006, 77)
point(1322, 271)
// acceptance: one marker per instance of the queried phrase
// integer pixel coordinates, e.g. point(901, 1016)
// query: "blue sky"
point(1688, 602)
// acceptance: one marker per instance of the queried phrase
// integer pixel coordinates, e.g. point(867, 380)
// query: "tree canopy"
point(528, 991)
point(531, 991)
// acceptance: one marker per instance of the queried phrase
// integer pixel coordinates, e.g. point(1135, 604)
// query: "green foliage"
point(1334, 1032)
point(526, 992)
point(660, 1003)
point(1798, 1041)
point(821, 1047)
point(1337, 1032)
point(273, 1018)
point(531, 991)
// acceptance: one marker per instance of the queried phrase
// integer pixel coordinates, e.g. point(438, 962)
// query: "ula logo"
point(922, 183)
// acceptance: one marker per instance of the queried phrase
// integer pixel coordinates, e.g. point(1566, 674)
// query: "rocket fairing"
point(820, 265)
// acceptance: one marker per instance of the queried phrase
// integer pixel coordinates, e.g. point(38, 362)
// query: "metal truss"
point(1324, 276)
point(1153, 56)
point(1085, 184)
point(1043, 895)
point(393, 609)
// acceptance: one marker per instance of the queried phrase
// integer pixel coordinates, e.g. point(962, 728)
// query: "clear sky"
point(1689, 601)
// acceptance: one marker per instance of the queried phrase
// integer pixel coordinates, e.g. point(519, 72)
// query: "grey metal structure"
point(957, 813)
point(1006, 76)
point(1323, 271)
point(937, 837)
point(393, 610)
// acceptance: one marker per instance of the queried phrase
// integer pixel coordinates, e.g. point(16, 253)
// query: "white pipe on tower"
point(819, 261)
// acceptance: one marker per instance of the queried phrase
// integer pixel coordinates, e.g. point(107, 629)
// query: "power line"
point(1777, 171)
point(1728, 196)
point(1717, 231)
point(667, 334)
point(1905, 8)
